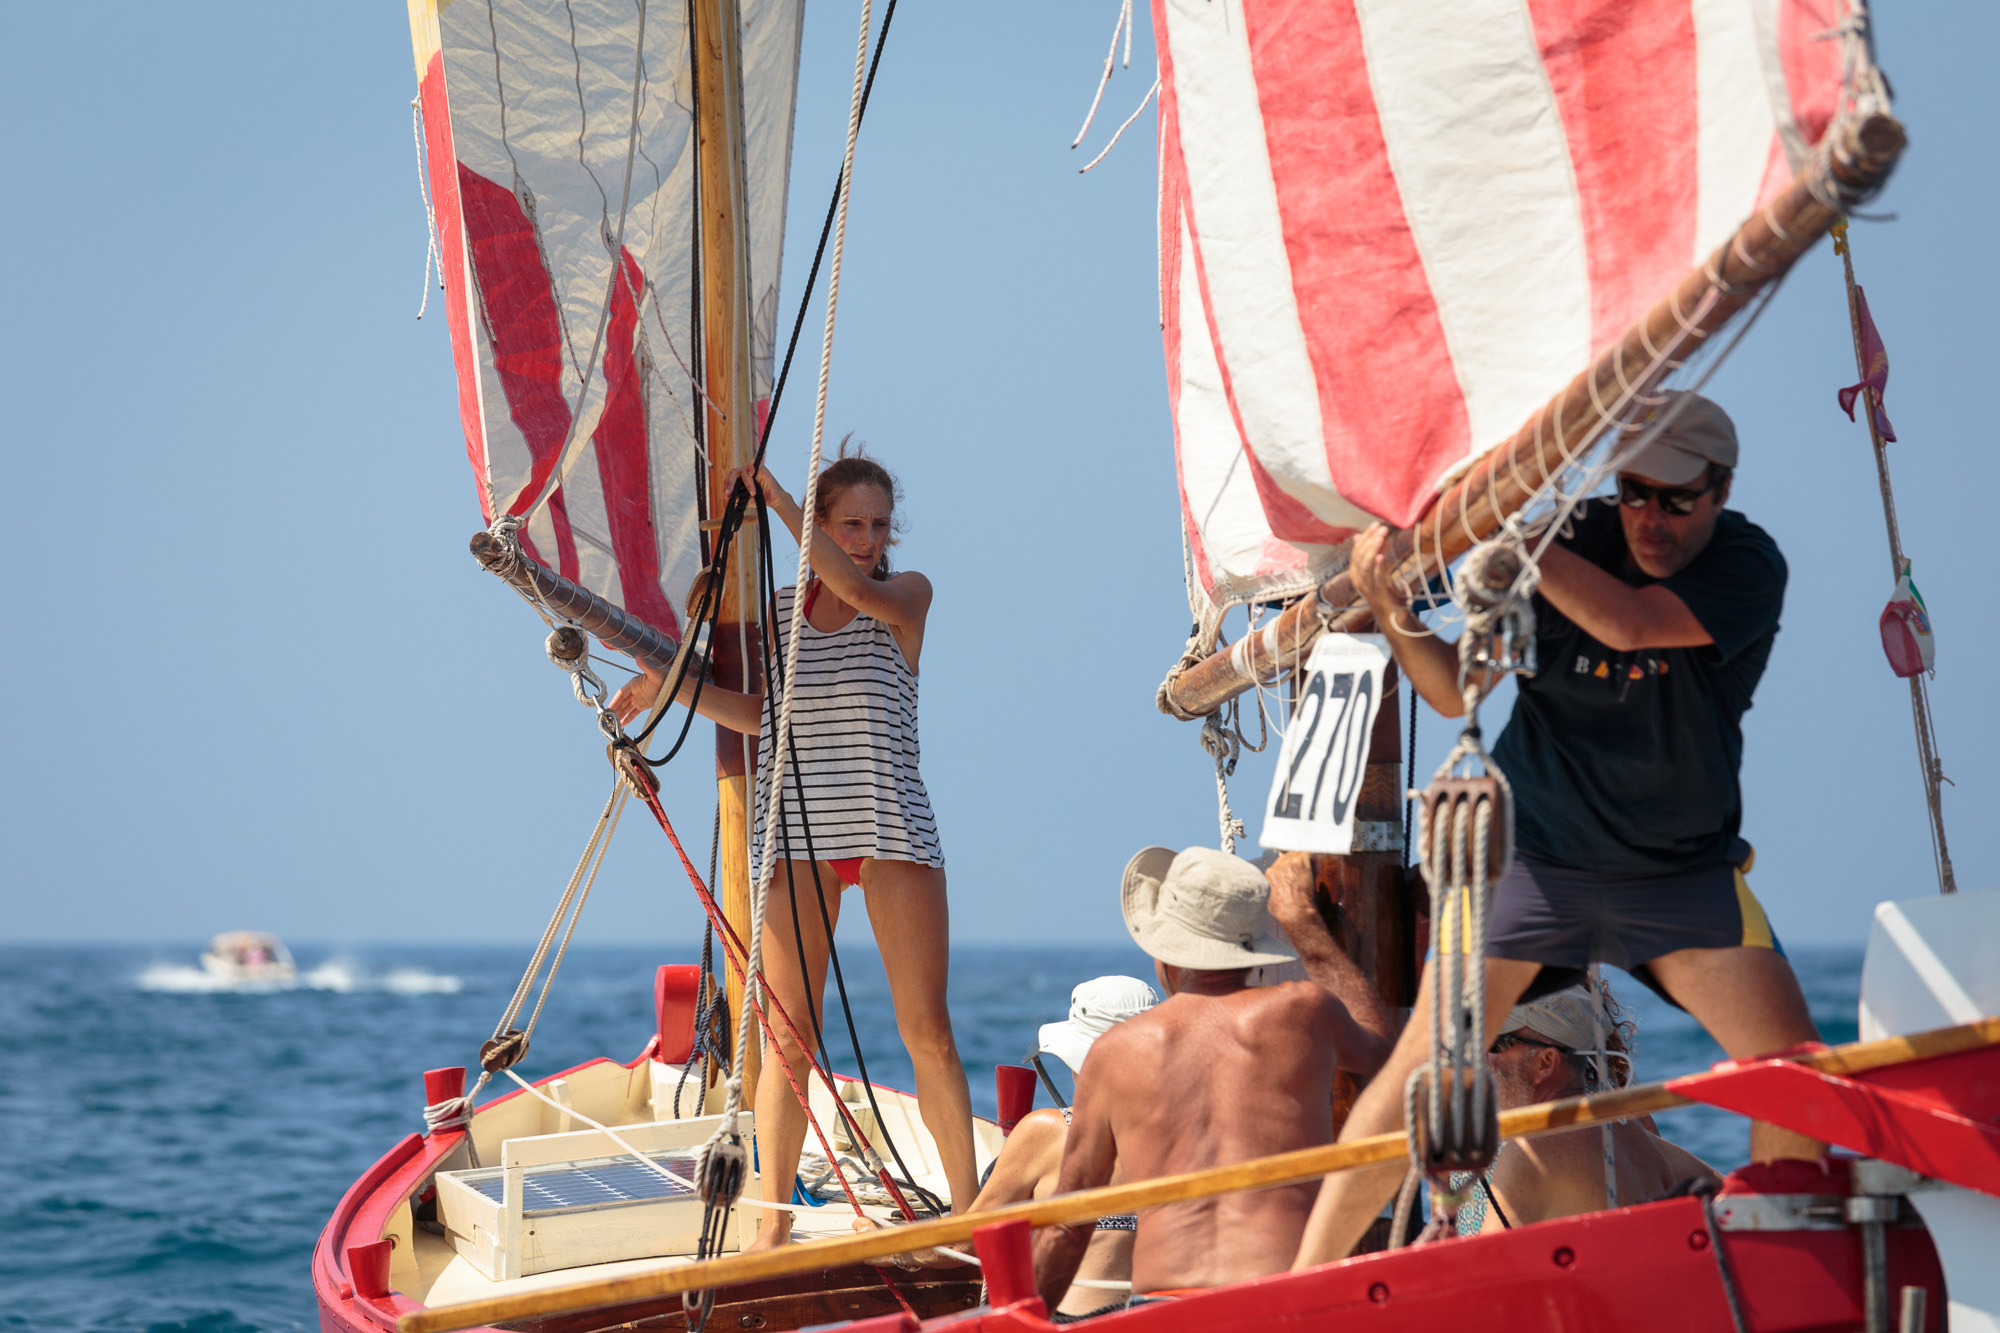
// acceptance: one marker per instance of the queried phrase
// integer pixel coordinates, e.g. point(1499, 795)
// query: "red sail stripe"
point(1172, 188)
point(1623, 73)
point(1287, 517)
point(1812, 68)
point(623, 466)
point(440, 157)
point(1354, 266)
point(520, 308)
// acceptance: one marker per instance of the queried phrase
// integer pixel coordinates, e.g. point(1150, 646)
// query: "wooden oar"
point(1085, 1205)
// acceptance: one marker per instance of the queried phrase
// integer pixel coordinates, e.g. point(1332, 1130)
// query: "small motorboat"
point(249, 956)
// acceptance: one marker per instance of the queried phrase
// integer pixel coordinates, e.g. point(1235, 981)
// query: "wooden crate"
point(567, 1200)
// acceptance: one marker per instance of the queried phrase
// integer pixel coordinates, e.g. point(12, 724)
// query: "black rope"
point(774, 677)
point(1410, 772)
point(1705, 1190)
point(707, 611)
point(819, 252)
point(732, 517)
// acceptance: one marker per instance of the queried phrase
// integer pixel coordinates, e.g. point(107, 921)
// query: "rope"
point(825, 230)
point(432, 259)
point(736, 953)
point(508, 1045)
point(1119, 133)
point(1601, 1062)
point(768, 595)
point(1124, 25)
point(733, 1105)
point(1457, 1136)
point(1223, 747)
point(1930, 766)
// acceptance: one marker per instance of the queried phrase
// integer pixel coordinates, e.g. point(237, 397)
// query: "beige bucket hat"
point(1203, 909)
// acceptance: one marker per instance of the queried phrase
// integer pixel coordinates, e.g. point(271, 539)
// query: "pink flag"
point(1875, 359)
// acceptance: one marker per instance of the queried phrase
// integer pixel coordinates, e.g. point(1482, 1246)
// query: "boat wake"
point(338, 975)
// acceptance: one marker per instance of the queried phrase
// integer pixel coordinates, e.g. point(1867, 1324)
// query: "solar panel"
point(570, 1186)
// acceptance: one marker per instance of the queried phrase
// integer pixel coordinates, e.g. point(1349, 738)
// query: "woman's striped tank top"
point(854, 726)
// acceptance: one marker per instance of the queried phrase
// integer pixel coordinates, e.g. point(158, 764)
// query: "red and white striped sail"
point(1390, 230)
point(529, 124)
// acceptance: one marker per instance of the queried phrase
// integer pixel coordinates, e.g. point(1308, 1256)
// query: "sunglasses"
point(1677, 501)
point(1507, 1041)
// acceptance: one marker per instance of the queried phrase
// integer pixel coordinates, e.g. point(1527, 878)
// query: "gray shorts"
point(1566, 919)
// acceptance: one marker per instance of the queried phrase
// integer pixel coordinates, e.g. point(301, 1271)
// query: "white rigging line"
point(754, 968)
point(432, 257)
point(1124, 26)
point(1120, 132)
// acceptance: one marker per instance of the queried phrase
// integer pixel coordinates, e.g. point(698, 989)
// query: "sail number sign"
point(1313, 795)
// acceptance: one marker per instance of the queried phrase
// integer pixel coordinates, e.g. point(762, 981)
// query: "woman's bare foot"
point(773, 1230)
point(915, 1258)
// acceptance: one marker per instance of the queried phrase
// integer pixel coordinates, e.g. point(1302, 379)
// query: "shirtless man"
point(1219, 1072)
point(1543, 1054)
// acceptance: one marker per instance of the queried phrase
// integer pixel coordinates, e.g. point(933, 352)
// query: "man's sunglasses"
point(1677, 501)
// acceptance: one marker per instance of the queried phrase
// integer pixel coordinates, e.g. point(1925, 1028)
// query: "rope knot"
point(453, 1113)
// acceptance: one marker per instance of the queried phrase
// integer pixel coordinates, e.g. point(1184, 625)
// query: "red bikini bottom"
point(849, 870)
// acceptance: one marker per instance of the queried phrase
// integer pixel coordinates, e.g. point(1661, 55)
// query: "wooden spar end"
point(1862, 152)
point(619, 629)
point(1084, 1205)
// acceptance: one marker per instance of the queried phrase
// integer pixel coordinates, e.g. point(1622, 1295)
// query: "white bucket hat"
point(1203, 909)
point(1095, 1007)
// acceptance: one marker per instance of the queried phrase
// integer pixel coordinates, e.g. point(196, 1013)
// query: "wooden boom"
point(1086, 1205)
point(1762, 250)
point(620, 630)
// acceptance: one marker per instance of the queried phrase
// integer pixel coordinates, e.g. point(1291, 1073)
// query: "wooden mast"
point(729, 420)
point(1362, 895)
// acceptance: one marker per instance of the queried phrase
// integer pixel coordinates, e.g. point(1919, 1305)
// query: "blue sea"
point(170, 1149)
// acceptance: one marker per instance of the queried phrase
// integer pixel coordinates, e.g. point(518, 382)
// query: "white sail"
point(560, 140)
point(1390, 231)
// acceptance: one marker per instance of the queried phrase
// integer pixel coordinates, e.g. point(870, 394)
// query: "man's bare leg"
point(1350, 1200)
point(1750, 1002)
point(781, 1123)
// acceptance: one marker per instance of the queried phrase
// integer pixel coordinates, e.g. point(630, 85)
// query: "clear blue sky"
point(253, 678)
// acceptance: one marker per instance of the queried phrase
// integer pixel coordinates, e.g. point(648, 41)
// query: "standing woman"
point(854, 729)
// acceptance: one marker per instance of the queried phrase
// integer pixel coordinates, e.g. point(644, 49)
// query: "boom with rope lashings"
point(1858, 1058)
point(1855, 161)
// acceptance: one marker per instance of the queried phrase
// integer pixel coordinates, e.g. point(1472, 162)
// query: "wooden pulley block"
point(1441, 803)
point(566, 644)
point(1459, 1146)
point(632, 766)
point(504, 1051)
